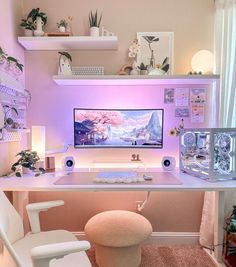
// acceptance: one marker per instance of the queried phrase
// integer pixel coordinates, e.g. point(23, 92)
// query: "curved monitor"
point(123, 128)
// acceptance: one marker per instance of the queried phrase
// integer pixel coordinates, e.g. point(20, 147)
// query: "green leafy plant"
point(3, 54)
point(10, 59)
point(94, 21)
point(27, 24)
point(62, 23)
point(19, 65)
point(34, 13)
point(28, 160)
point(142, 66)
point(231, 222)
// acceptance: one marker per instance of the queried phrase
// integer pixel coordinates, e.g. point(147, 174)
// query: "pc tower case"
point(209, 153)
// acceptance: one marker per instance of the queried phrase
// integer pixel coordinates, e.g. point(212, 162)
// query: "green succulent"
point(94, 21)
point(143, 67)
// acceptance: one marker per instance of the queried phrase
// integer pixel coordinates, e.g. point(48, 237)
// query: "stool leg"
point(118, 256)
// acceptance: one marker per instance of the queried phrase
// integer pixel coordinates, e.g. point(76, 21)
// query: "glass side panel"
point(224, 156)
point(195, 151)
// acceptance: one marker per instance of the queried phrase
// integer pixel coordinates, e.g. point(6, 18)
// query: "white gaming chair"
point(57, 248)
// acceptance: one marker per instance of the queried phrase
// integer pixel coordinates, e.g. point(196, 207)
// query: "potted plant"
point(62, 25)
point(3, 58)
point(39, 19)
point(94, 23)
point(143, 69)
point(28, 25)
point(230, 226)
point(27, 161)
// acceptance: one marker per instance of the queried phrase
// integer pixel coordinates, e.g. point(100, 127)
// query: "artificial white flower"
point(132, 54)
point(134, 49)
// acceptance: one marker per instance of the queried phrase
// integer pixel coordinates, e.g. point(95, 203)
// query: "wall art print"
point(155, 47)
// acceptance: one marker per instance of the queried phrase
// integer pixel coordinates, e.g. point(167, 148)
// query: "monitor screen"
point(136, 128)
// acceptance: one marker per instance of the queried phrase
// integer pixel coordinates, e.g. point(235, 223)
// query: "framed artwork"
point(156, 48)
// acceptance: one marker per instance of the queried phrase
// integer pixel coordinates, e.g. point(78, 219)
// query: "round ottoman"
point(117, 236)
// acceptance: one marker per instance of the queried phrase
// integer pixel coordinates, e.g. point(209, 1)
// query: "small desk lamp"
point(202, 62)
point(39, 143)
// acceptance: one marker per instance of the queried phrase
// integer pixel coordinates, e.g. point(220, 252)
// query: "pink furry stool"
point(117, 236)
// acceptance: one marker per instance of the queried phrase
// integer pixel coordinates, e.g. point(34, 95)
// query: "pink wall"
point(10, 15)
point(52, 105)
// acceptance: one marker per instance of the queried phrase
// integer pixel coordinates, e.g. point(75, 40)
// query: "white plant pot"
point(94, 31)
point(39, 27)
point(26, 171)
point(143, 72)
point(156, 71)
point(28, 32)
point(62, 29)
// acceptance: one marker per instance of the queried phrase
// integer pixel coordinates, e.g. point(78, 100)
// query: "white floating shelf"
point(134, 80)
point(69, 42)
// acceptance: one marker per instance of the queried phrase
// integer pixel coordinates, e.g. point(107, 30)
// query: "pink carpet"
point(169, 256)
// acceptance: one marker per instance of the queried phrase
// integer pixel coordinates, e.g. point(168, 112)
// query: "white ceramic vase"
point(39, 27)
point(94, 31)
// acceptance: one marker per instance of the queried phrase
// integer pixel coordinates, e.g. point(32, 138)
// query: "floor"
point(169, 256)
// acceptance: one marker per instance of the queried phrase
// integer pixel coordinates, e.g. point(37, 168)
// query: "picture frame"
point(162, 44)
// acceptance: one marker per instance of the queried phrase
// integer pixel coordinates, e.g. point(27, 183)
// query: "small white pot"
point(62, 29)
point(28, 32)
point(157, 71)
point(26, 171)
point(94, 31)
point(143, 72)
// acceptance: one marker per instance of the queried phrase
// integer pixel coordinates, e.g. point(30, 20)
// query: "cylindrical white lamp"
point(202, 61)
point(39, 141)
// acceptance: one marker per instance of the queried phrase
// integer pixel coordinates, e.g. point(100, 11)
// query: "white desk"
point(189, 183)
point(46, 183)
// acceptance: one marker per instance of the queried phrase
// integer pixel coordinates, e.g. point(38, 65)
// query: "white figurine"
point(64, 67)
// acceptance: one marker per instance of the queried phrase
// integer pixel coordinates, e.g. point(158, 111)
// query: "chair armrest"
point(33, 210)
point(42, 255)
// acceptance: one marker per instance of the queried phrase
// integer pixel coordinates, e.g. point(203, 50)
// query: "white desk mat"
point(86, 178)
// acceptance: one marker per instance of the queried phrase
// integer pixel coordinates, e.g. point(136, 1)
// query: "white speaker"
point(168, 163)
point(68, 163)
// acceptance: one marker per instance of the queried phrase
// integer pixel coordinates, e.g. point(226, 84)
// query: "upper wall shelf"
point(69, 42)
point(134, 80)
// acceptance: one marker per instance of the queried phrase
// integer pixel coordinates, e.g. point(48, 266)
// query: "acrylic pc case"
point(209, 153)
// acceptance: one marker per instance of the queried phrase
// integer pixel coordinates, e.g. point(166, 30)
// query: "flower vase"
point(39, 27)
point(94, 31)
